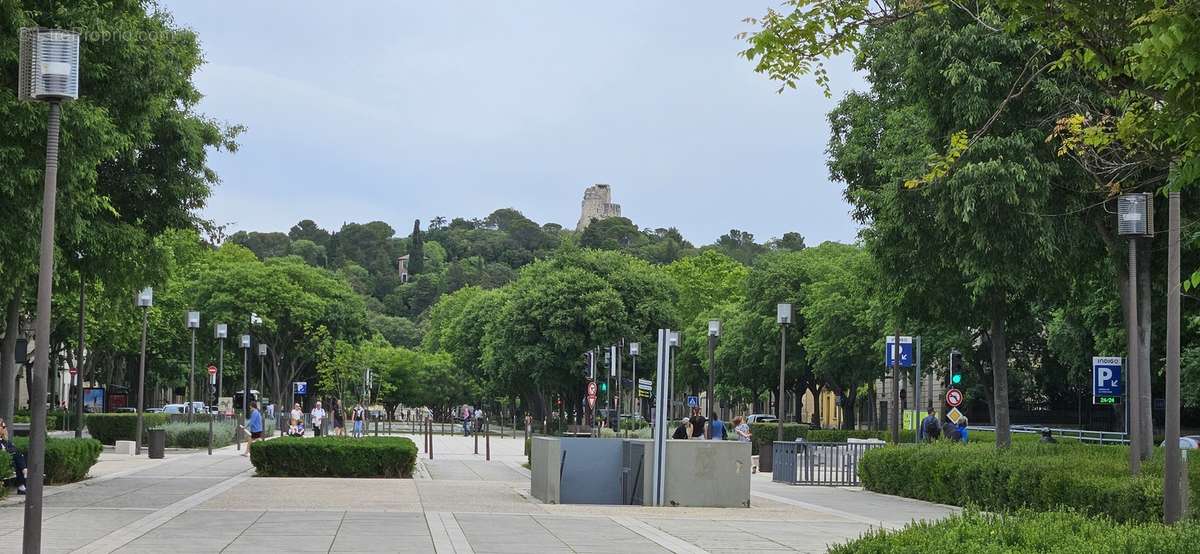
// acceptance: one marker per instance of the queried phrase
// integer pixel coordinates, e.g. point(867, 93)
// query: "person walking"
point(357, 417)
point(716, 427)
point(318, 417)
point(742, 429)
point(297, 417)
point(339, 420)
point(931, 430)
point(254, 426)
point(18, 459)
point(697, 424)
point(466, 420)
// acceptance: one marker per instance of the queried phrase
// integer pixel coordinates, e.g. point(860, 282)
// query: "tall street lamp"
point(783, 316)
point(1135, 216)
point(237, 440)
point(77, 376)
point(635, 404)
point(145, 300)
point(714, 331)
point(220, 332)
point(48, 70)
point(262, 372)
point(193, 323)
point(674, 341)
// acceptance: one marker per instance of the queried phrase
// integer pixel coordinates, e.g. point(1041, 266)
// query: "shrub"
point(53, 418)
point(110, 428)
point(6, 469)
point(67, 460)
point(763, 434)
point(1090, 479)
point(1028, 533)
point(634, 424)
point(334, 457)
point(195, 435)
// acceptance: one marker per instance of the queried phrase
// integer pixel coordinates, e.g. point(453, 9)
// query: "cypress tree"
point(416, 250)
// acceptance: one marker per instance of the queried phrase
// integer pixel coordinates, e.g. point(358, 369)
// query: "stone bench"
point(125, 447)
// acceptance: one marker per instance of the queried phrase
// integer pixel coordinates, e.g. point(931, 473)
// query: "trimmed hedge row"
point(6, 470)
point(1090, 479)
point(110, 428)
point(334, 457)
point(67, 460)
point(1028, 533)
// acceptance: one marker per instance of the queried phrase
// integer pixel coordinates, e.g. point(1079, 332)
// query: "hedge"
point(195, 435)
point(1087, 478)
point(764, 434)
point(334, 457)
point(67, 460)
point(1028, 533)
point(6, 469)
point(110, 428)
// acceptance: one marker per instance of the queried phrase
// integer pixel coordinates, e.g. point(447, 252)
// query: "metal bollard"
point(476, 444)
point(487, 440)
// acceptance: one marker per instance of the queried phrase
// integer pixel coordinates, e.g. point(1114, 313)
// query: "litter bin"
point(157, 442)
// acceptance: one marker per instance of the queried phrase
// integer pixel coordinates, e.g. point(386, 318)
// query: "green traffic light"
point(956, 378)
point(603, 387)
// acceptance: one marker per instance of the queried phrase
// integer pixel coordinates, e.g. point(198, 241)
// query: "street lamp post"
point(77, 377)
point(783, 316)
point(220, 332)
point(48, 70)
point(262, 372)
point(714, 331)
point(237, 437)
point(1135, 216)
point(674, 341)
point(193, 323)
point(636, 403)
point(145, 300)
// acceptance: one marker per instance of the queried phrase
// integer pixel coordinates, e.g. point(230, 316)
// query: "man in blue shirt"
point(254, 424)
point(716, 427)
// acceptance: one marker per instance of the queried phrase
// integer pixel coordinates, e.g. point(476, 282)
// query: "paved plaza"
point(456, 503)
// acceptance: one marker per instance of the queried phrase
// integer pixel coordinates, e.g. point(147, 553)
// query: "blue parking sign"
point(906, 351)
point(300, 388)
point(1106, 379)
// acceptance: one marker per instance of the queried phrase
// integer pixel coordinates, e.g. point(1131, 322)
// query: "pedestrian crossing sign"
point(954, 415)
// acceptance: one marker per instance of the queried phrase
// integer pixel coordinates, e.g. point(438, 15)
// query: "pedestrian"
point(357, 417)
point(697, 422)
point(318, 417)
point(18, 459)
point(684, 430)
point(479, 420)
point(466, 420)
point(716, 427)
point(930, 429)
point(254, 426)
point(339, 420)
point(962, 429)
point(298, 417)
point(742, 429)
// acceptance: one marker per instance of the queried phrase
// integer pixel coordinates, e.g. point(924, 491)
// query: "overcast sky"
point(388, 110)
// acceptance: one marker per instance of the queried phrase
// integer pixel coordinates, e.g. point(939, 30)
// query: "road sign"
point(645, 384)
point(591, 401)
point(954, 397)
point(591, 388)
point(212, 370)
point(954, 415)
point(906, 351)
point(643, 393)
point(300, 388)
point(74, 372)
point(693, 401)
point(1106, 380)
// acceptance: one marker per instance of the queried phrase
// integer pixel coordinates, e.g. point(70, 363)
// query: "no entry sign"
point(954, 398)
point(591, 388)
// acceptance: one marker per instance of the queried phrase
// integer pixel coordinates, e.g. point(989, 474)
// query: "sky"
point(395, 111)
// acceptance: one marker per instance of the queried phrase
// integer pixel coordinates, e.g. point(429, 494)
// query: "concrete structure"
point(597, 204)
point(700, 474)
point(402, 266)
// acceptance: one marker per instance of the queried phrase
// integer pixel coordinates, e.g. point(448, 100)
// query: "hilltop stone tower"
point(597, 204)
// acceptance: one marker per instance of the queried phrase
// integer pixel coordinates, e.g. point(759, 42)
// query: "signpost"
point(954, 398)
point(212, 393)
point(906, 351)
point(1106, 380)
point(954, 415)
point(645, 387)
point(693, 401)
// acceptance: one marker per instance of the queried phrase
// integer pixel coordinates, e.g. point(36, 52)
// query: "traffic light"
point(603, 386)
point(955, 368)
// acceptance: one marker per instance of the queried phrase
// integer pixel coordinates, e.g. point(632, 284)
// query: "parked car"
point(761, 418)
point(1190, 442)
point(126, 410)
point(197, 407)
point(153, 410)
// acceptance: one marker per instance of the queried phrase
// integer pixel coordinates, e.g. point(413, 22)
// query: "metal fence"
point(818, 463)
point(1081, 435)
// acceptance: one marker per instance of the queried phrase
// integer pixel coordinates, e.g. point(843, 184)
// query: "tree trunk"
point(1000, 376)
point(1144, 357)
point(8, 363)
point(816, 392)
point(798, 402)
point(849, 418)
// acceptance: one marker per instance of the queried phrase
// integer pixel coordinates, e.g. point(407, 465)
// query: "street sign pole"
point(212, 383)
point(917, 388)
point(660, 418)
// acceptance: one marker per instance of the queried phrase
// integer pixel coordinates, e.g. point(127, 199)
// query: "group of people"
point(932, 429)
point(472, 419)
point(697, 427)
point(357, 416)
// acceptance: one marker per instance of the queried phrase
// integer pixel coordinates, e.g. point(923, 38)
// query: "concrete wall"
point(545, 456)
point(708, 474)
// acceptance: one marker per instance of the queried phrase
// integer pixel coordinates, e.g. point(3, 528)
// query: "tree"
point(613, 233)
point(707, 280)
point(416, 250)
point(264, 245)
point(789, 241)
point(740, 246)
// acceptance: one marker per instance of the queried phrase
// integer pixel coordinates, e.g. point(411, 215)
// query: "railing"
point(818, 463)
point(1081, 435)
